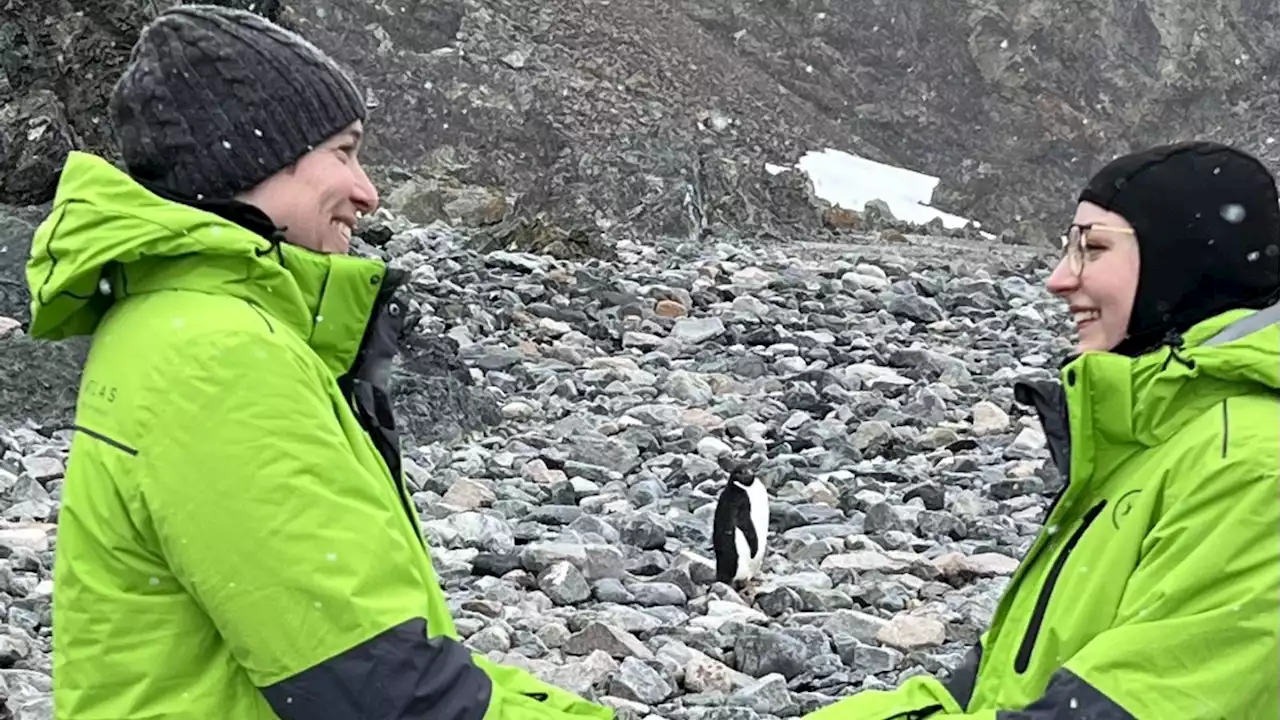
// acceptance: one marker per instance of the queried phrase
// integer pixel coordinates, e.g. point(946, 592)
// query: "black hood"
point(1207, 219)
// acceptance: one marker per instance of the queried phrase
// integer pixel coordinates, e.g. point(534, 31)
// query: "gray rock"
point(761, 651)
point(988, 418)
point(595, 561)
point(914, 307)
point(43, 468)
point(35, 139)
point(490, 639)
point(911, 632)
point(585, 675)
point(657, 593)
point(564, 584)
point(768, 696)
point(472, 529)
point(639, 682)
point(618, 643)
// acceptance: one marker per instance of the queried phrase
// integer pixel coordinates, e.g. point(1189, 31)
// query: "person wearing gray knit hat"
point(216, 102)
point(236, 535)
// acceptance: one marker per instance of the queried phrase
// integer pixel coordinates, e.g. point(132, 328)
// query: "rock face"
point(35, 138)
point(649, 116)
point(1013, 104)
point(872, 379)
point(17, 224)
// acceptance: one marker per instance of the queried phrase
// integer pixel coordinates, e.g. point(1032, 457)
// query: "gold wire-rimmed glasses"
point(1077, 235)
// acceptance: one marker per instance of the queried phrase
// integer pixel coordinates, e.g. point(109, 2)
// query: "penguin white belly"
point(745, 569)
point(749, 564)
point(759, 506)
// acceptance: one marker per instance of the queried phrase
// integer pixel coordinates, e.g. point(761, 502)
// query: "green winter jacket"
point(233, 542)
point(1153, 590)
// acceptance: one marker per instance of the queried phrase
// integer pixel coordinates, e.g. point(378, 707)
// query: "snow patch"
point(850, 182)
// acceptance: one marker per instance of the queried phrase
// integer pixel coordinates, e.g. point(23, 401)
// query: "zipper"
point(1015, 582)
point(1023, 660)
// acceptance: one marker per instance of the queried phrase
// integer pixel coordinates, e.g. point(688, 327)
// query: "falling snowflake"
point(1233, 213)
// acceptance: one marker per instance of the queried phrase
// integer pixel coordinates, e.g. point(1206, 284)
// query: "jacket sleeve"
point(1197, 634)
point(310, 576)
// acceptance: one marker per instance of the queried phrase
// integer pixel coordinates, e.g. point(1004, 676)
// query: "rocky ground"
point(872, 377)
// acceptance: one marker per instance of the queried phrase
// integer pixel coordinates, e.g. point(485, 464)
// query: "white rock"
point(988, 418)
point(713, 447)
point(909, 632)
point(697, 330)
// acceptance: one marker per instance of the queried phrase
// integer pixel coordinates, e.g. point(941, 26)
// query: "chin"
point(1095, 345)
point(332, 247)
point(1092, 344)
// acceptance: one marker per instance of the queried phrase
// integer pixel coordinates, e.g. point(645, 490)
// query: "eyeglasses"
point(1073, 243)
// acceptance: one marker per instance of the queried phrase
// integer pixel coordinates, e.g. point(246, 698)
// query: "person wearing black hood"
point(1153, 588)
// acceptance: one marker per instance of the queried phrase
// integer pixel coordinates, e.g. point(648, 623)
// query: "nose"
point(365, 195)
point(1063, 280)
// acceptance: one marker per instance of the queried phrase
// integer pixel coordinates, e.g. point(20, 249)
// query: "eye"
point(1091, 244)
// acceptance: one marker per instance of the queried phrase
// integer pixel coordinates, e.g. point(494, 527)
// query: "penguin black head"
point(741, 470)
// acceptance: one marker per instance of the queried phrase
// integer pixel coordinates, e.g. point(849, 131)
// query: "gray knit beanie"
point(215, 100)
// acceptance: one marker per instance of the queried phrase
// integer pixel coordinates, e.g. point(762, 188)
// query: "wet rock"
point(34, 142)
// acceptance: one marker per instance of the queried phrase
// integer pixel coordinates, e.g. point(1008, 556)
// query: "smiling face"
point(1099, 291)
point(318, 198)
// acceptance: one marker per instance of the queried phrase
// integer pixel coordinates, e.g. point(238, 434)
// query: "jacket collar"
point(1112, 405)
point(103, 224)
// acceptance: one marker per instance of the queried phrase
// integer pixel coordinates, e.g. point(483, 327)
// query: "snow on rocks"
point(904, 481)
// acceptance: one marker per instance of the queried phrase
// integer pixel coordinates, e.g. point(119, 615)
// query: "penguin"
point(740, 529)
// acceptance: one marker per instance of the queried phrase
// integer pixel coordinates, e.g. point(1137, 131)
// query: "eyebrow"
point(1105, 226)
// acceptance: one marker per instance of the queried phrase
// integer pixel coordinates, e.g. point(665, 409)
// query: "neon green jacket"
point(1153, 591)
point(232, 541)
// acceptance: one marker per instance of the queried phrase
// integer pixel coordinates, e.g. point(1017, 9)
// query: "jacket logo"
point(1123, 507)
point(100, 390)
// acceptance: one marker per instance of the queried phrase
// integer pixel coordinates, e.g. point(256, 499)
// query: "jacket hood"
point(108, 237)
